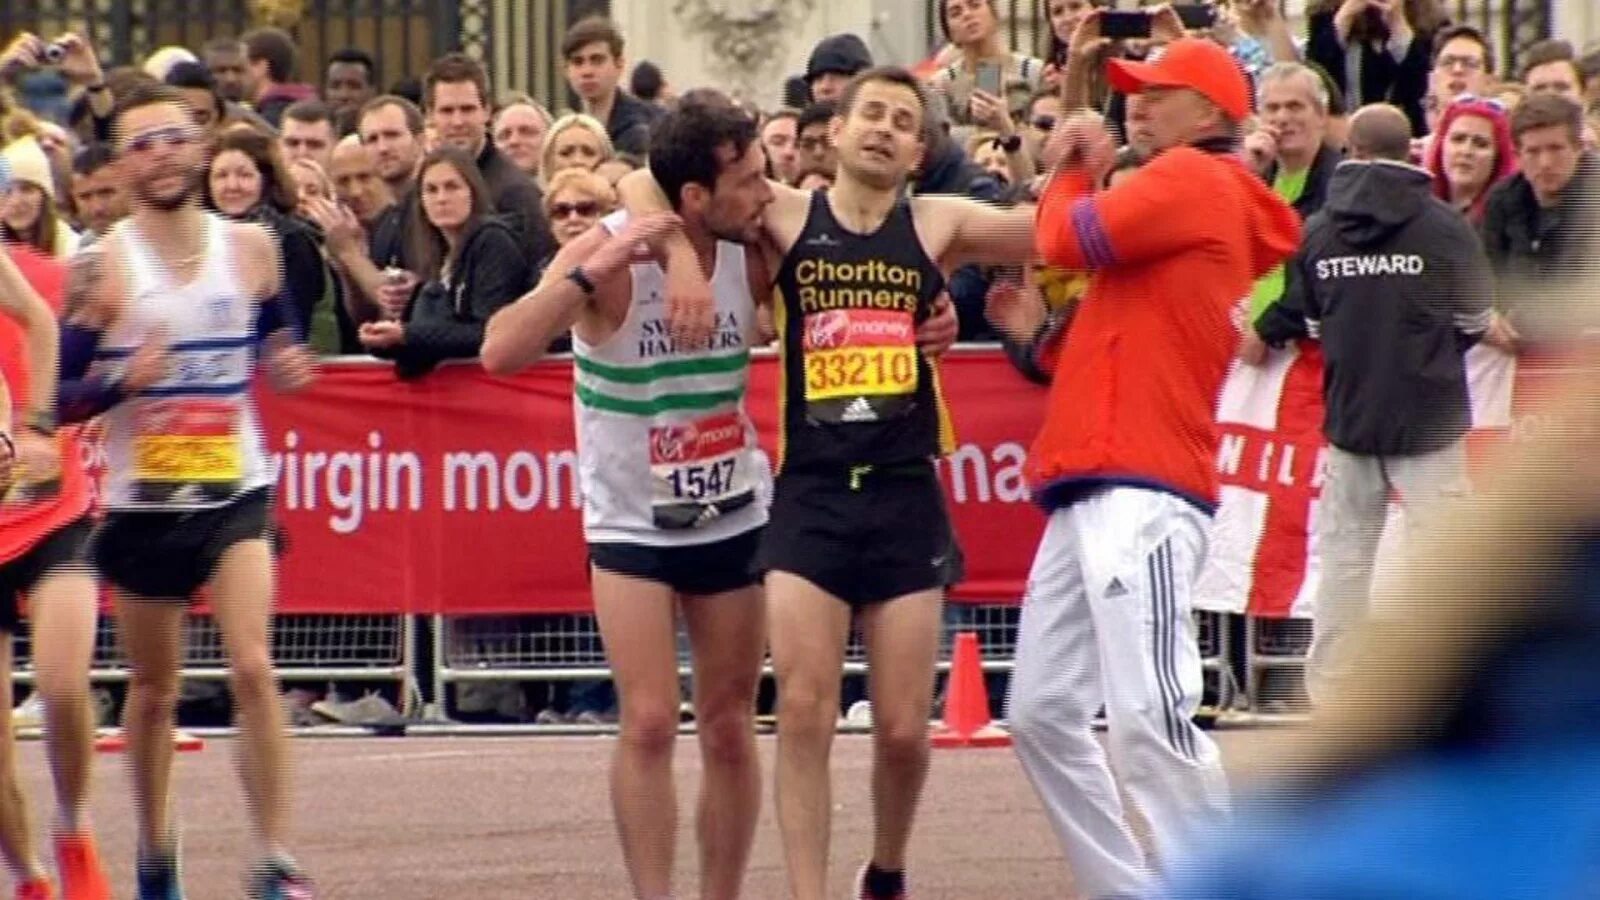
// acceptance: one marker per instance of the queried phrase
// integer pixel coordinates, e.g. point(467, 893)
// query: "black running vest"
point(856, 389)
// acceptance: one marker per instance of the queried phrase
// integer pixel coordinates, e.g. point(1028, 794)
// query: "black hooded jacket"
point(1397, 286)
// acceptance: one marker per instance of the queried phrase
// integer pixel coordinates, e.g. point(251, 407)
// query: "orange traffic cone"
point(116, 742)
point(966, 702)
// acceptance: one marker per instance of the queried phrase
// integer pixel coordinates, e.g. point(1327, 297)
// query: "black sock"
point(883, 883)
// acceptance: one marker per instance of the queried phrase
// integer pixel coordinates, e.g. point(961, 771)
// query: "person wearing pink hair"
point(1471, 153)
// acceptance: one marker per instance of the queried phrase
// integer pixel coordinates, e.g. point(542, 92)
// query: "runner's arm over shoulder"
point(519, 335)
point(979, 232)
point(23, 304)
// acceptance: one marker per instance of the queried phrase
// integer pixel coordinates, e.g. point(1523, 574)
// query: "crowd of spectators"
point(407, 217)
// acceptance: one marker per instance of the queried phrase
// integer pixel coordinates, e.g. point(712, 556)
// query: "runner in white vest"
point(187, 482)
point(675, 487)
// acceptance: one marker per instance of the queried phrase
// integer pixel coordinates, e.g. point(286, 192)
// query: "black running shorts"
point(865, 536)
point(700, 570)
point(169, 555)
point(60, 549)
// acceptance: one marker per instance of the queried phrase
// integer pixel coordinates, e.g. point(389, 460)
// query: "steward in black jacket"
point(1397, 287)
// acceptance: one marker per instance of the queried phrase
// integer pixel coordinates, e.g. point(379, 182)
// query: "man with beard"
point(859, 524)
point(187, 481)
point(674, 484)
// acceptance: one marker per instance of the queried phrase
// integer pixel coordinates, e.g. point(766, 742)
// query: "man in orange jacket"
point(1125, 463)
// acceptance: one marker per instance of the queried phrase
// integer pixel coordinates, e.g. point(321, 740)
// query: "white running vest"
point(190, 440)
point(666, 454)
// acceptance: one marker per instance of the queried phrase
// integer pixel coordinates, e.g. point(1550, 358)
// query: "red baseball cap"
point(1194, 63)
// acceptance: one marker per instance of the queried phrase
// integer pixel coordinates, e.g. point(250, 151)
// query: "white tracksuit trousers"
point(1107, 620)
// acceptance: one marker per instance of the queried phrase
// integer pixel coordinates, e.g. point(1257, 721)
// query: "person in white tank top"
point(188, 482)
point(675, 486)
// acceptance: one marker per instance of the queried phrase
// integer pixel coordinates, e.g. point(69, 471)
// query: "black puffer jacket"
point(446, 318)
point(1397, 286)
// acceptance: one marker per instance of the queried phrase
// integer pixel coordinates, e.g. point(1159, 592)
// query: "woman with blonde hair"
point(575, 140)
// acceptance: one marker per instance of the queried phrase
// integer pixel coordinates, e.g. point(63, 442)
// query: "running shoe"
point(37, 889)
point(160, 875)
point(78, 865)
point(279, 879)
point(863, 894)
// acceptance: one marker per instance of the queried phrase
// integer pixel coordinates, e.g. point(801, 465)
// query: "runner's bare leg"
point(902, 640)
point(809, 630)
point(638, 627)
point(727, 636)
point(241, 590)
point(152, 641)
point(64, 613)
point(16, 832)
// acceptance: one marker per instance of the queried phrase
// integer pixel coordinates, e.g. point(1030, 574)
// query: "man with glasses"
point(816, 149)
point(187, 480)
point(1044, 111)
point(1463, 63)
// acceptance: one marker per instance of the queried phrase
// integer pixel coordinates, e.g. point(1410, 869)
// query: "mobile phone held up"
point(1196, 16)
point(1124, 24)
point(989, 78)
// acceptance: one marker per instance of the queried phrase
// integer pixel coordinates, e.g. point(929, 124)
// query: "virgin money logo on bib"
point(703, 439)
point(827, 330)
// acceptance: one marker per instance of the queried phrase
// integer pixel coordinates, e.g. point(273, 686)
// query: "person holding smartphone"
point(985, 85)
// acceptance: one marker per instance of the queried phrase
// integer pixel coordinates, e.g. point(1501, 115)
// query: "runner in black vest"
point(858, 523)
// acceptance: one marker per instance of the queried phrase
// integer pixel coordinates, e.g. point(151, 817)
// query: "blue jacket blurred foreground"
point(1505, 804)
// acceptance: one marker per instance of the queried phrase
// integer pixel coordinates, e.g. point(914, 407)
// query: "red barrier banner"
point(458, 492)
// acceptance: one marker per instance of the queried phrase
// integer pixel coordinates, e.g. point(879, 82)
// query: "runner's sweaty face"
point(879, 137)
point(740, 196)
point(160, 154)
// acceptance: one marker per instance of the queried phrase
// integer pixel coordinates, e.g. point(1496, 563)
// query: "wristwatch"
point(580, 278)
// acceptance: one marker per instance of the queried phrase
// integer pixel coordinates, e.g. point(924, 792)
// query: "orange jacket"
point(1173, 247)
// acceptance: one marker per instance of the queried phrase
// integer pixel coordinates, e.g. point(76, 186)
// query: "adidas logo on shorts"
point(859, 411)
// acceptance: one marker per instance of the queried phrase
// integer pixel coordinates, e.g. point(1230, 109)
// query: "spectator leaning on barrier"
point(1294, 125)
point(593, 52)
point(1378, 51)
point(469, 263)
point(247, 181)
point(1396, 286)
point(271, 56)
point(1542, 223)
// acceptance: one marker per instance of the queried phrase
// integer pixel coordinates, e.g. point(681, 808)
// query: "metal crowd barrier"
point(304, 647)
point(544, 648)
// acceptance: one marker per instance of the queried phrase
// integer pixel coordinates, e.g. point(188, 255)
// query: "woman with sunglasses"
point(470, 263)
point(1473, 153)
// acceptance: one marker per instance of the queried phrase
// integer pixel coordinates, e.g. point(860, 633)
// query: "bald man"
point(1380, 132)
point(1397, 285)
point(356, 182)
